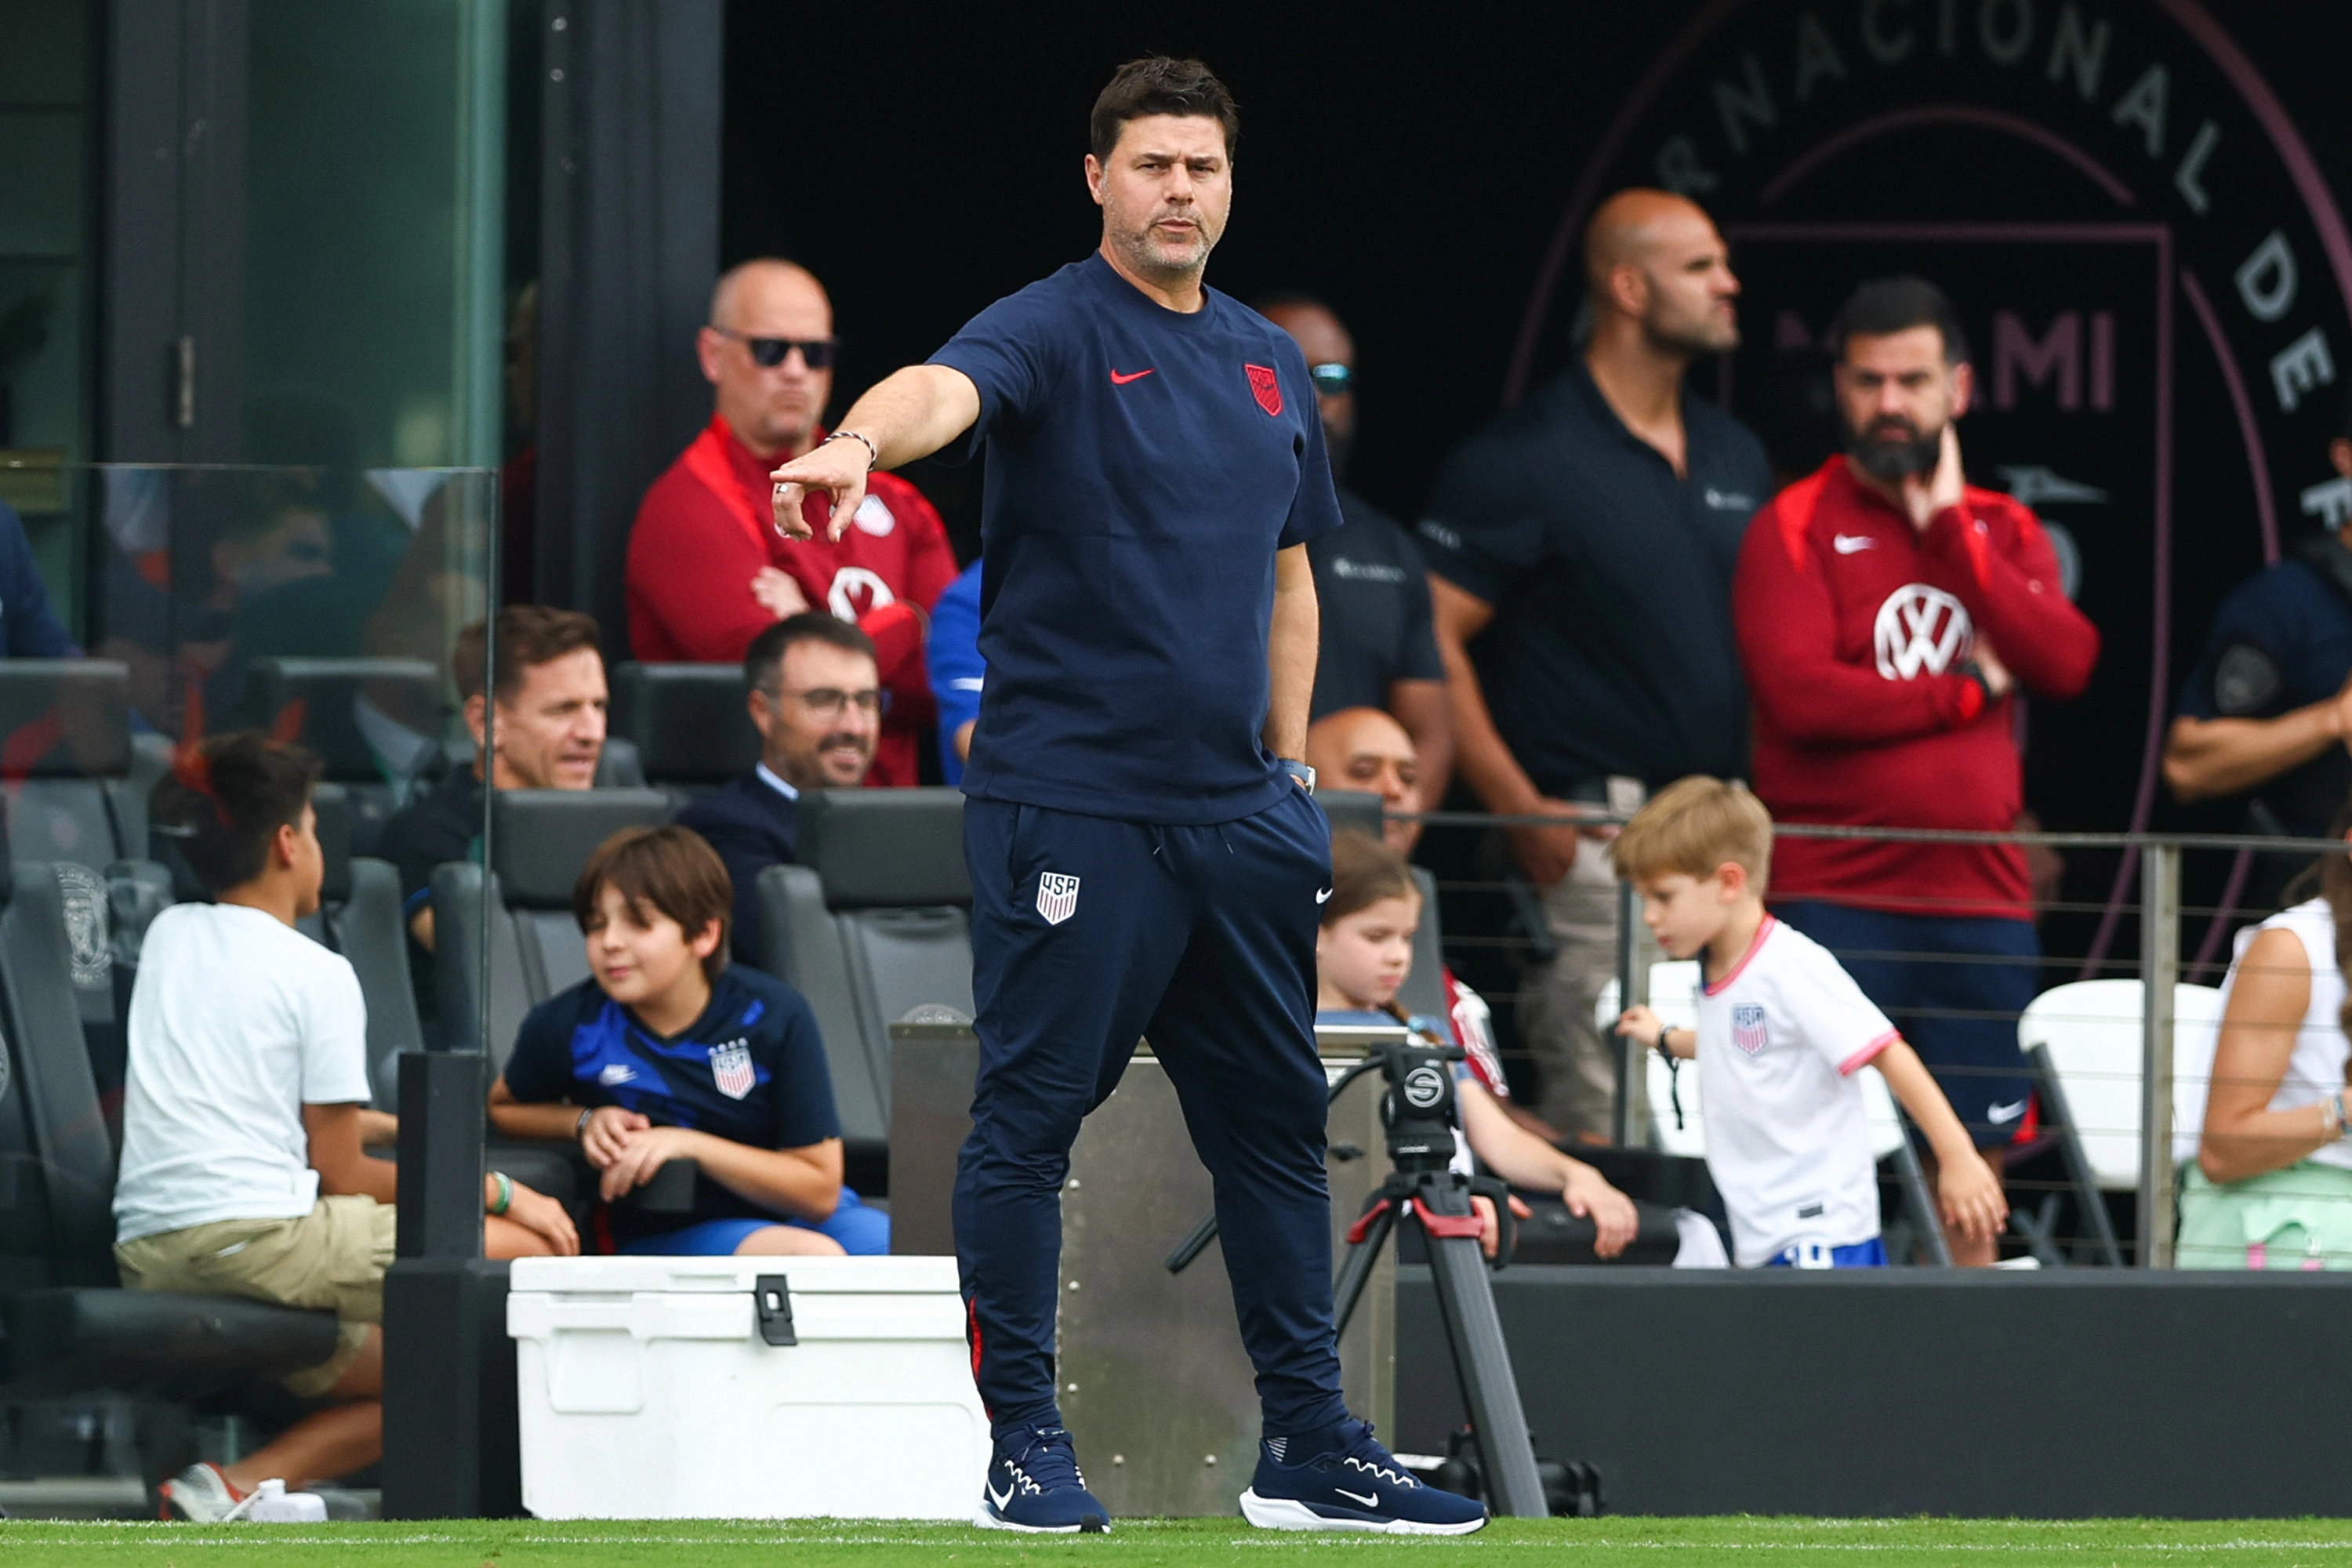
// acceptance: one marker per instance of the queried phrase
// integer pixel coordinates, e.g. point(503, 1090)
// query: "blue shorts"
point(1954, 987)
point(1871, 1254)
point(863, 1232)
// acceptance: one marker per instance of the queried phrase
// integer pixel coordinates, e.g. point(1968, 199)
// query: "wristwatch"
point(1299, 771)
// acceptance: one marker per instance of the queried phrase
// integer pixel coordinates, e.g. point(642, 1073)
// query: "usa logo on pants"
point(1057, 896)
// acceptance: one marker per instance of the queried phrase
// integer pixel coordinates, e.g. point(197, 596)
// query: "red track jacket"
point(1852, 629)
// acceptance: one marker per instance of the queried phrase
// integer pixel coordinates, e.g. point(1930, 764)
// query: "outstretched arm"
point(908, 414)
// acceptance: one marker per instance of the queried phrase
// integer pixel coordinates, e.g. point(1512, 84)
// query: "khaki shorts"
point(331, 1259)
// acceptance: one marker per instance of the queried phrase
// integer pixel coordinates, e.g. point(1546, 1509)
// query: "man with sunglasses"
point(814, 693)
point(1372, 587)
point(708, 570)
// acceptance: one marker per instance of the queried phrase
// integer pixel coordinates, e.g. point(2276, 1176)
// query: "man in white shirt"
point(242, 1170)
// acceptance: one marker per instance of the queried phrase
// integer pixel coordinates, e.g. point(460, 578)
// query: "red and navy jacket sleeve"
point(2006, 573)
point(688, 577)
point(1786, 621)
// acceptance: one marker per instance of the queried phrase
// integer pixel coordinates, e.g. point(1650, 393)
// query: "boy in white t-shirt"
point(242, 1170)
point(1781, 1032)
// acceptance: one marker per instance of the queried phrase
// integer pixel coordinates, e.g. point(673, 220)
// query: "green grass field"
point(1656, 1543)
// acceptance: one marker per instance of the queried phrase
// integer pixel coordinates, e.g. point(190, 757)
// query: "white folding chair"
point(2084, 1041)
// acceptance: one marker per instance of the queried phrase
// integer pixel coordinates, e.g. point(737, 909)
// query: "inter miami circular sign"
point(2154, 277)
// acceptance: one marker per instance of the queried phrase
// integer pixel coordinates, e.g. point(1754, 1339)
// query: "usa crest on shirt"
point(731, 1069)
point(1748, 1031)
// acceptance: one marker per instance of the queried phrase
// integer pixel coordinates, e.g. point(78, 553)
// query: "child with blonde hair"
point(1782, 1029)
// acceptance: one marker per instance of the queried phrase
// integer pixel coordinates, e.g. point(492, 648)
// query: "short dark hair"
point(529, 636)
point(1887, 305)
point(226, 798)
point(670, 869)
point(1160, 84)
point(766, 654)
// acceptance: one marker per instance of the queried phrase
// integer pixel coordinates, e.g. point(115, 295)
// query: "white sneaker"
point(199, 1494)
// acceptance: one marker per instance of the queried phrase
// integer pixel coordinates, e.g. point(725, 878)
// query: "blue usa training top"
point(1144, 465)
point(750, 1069)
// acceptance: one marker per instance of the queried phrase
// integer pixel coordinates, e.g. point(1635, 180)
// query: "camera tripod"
point(1417, 1112)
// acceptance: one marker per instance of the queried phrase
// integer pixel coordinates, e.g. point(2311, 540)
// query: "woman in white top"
point(2271, 1187)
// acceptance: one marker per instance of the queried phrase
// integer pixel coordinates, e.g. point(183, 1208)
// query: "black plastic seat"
point(874, 922)
point(371, 721)
point(688, 723)
point(540, 840)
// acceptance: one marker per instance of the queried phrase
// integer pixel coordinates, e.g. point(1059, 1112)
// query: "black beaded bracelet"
point(873, 453)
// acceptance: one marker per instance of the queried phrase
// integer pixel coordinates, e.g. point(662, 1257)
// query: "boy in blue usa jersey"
point(665, 1053)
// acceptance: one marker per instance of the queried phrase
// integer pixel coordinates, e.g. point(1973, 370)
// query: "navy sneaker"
point(1033, 1484)
point(1343, 1479)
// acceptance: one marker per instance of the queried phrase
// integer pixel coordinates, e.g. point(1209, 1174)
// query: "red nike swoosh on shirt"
point(1118, 380)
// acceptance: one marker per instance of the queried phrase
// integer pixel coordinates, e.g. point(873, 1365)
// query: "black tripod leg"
point(1357, 1267)
point(1481, 1365)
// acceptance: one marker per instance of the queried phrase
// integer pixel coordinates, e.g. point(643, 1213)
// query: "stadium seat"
point(2088, 1034)
point(872, 923)
point(372, 720)
point(69, 1326)
point(686, 722)
point(538, 841)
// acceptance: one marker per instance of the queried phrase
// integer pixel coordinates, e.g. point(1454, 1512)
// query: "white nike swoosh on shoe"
point(1997, 1114)
point(1847, 543)
point(1358, 1497)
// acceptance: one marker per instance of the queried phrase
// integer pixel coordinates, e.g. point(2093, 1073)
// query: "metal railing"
point(2158, 864)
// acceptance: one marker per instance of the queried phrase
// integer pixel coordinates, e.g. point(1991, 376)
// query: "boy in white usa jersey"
point(1781, 1032)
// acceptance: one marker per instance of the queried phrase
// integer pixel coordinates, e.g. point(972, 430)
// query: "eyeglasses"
point(826, 702)
point(817, 353)
point(1331, 379)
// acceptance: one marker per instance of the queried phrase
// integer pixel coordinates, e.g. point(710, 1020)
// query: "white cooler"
point(660, 1388)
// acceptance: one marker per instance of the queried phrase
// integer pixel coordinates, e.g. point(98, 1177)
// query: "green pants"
point(2299, 1218)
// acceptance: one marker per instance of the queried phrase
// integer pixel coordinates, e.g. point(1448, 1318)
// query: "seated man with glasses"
point(708, 570)
point(816, 697)
point(1372, 589)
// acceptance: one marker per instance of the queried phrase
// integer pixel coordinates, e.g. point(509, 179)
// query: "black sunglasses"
point(769, 352)
point(1331, 379)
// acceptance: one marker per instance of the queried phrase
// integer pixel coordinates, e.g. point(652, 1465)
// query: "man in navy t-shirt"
point(1145, 858)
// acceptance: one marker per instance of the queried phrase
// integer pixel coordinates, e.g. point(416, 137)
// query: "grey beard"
point(1897, 460)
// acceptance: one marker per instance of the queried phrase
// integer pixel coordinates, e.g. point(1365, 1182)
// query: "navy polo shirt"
point(750, 1069)
point(1610, 651)
point(1144, 466)
point(2281, 641)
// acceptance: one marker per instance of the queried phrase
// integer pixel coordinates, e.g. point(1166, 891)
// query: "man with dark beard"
point(1581, 549)
point(1371, 587)
point(1886, 612)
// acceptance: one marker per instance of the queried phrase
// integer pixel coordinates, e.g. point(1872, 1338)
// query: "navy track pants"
point(1202, 939)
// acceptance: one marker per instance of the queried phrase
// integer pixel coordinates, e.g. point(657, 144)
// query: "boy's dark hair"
point(1887, 305)
point(667, 870)
point(529, 636)
point(1158, 84)
point(1364, 871)
point(764, 659)
point(226, 798)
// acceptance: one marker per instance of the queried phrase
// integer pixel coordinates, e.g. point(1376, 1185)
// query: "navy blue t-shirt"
point(1144, 466)
point(2281, 641)
point(750, 1069)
